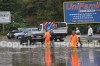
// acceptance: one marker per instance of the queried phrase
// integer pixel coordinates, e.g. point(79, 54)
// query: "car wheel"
point(55, 39)
point(9, 37)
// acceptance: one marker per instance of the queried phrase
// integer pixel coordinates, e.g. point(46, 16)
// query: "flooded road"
point(55, 56)
point(14, 54)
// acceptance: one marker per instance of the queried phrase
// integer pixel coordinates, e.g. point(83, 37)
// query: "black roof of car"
point(13, 28)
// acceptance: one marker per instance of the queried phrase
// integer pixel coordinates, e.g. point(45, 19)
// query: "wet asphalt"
point(41, 56)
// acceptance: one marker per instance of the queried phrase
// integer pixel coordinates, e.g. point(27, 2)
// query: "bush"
point(82, 27)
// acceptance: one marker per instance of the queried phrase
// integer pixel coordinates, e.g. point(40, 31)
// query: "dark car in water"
point(33, 36)
point(12, 31)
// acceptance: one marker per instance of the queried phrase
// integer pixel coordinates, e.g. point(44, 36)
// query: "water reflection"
point(55, 57)
point(47, 57)
point(22, 58)
point(97, 57)
point(73, 59)
point(50, 57)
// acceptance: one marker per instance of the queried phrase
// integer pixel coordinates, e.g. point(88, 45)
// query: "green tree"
point(35, 12)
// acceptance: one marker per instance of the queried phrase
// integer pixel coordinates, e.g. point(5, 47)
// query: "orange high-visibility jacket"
point(73, 40)
point(47, 37)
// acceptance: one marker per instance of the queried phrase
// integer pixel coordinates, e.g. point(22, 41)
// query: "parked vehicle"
point(59, 32)
point(59, 29)
point(19, 34)
point(32, 36)
point(22, 31)
point(12, 30)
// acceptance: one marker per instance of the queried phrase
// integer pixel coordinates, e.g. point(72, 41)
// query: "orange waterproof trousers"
point(73, 41)
point(47, 38)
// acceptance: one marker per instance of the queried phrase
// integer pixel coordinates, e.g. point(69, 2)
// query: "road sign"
point(49, 27)
point(85, 12)
point(5, 17)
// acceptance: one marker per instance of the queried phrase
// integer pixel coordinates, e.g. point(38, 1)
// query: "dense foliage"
point(30, 13)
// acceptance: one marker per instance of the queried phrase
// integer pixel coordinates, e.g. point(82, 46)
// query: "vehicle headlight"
point(16, 34)
point(8, 34)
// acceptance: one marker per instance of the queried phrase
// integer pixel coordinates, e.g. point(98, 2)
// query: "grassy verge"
point(3, 36)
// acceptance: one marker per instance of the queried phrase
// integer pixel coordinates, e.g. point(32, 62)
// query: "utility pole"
point(3, 27)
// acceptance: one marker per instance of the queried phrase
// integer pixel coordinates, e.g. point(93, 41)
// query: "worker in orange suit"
point(47, 37)
point(73, 40)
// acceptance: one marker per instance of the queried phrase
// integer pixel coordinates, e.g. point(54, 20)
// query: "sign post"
point(3, 27)
point(13, 23)
point(5, 18)
point(13, 20)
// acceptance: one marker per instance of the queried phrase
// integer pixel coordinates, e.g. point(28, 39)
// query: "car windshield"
point(27, 29)
point(34, 29)
point(14, 31)
point(40, 27)
point(31, 29)
point(21, 29)
point(61, 25)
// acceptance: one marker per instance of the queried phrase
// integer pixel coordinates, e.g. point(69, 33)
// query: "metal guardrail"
point(90, 38)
